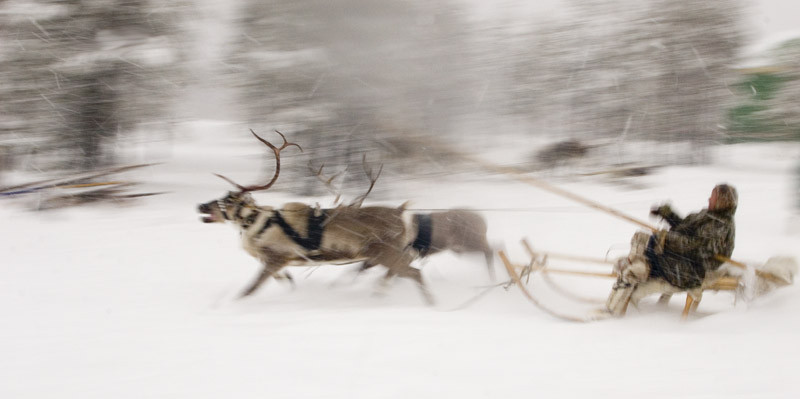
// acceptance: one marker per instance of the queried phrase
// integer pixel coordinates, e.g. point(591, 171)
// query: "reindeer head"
point(230, 206)
point(225, 208)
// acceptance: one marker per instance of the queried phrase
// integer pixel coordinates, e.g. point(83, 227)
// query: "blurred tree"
point(76, 73)
point(347, 74)
point(768, 110)
point(701, 40)
point(757, 87)
point(652, 70)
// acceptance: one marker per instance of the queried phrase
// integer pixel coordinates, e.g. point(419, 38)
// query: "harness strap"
point(223, 209)
point(315, 222)
point(424, 226)
point(264, 228)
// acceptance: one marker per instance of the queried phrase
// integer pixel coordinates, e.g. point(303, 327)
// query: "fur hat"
point(727, 198)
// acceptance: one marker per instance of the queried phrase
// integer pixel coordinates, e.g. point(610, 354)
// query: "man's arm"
point(666, 213)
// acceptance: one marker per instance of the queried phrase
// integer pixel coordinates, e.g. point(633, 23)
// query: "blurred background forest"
point(80, 79)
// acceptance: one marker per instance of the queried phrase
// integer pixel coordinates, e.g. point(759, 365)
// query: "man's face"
point(712, 200)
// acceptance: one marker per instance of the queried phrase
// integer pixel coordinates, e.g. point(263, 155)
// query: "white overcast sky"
point(776, 17)
point(768, 18)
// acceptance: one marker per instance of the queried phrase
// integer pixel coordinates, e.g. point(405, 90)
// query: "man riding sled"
point(677, 259)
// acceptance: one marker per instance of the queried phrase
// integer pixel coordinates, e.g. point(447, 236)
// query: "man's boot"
point(619, 298)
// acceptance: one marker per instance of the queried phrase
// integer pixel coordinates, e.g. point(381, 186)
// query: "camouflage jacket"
point(690, 246)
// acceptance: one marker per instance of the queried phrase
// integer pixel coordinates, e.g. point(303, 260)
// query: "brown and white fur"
point(458, 230)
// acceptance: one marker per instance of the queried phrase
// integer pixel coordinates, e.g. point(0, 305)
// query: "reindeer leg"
point(383, 284)
point(411, 273)
point(377, 254)
point(490, 265)
point(263, 276)
point(416, 275)
point(402, 267)
point(272, 265)
point(356, 273)
point(398, 261)
point(663, 300)
point(286, 276)
point(489, 255)
point(364, 266)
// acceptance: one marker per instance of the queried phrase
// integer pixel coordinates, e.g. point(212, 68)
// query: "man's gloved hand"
point(661, 210)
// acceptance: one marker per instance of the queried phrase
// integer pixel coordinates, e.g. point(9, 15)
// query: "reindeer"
point(457, 230)
point(299, 235)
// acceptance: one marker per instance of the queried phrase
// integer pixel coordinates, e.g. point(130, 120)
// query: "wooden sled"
point(88, 193)
point(78, 189)
point(539, 264)
point(66, 181)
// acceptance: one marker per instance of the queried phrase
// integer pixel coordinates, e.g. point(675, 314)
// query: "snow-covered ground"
point(139, 300)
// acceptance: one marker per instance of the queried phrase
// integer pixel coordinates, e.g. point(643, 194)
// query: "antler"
point(360, 199)
point(277, 151)
point(327, 182)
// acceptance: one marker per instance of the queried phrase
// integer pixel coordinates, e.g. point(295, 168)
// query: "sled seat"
point(719, 281)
